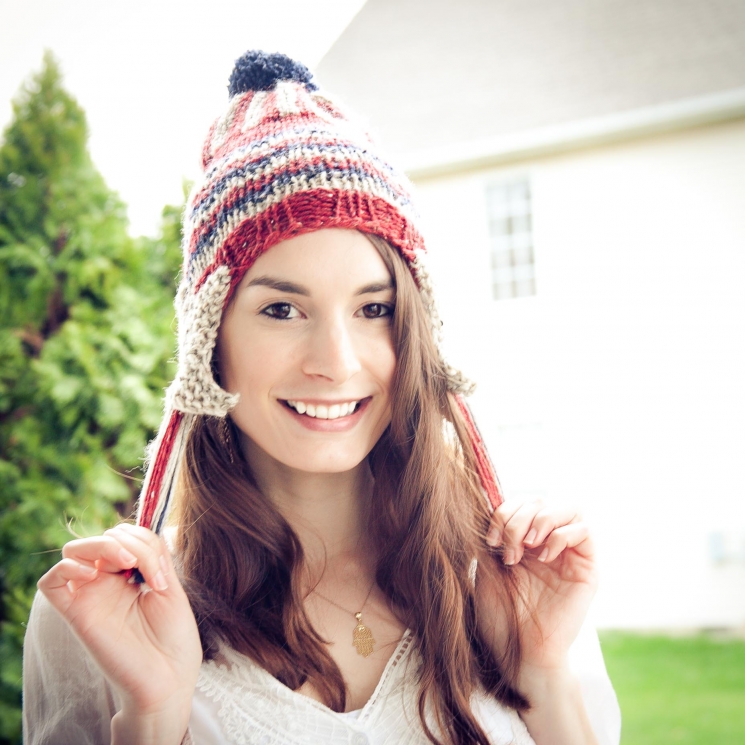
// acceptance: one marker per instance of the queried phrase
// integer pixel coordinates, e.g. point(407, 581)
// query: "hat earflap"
point(194, 392)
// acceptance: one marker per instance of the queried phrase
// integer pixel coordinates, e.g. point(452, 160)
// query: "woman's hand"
point(144, 639)
point(552, 555)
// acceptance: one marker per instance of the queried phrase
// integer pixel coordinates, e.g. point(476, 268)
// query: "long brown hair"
point(241, 562)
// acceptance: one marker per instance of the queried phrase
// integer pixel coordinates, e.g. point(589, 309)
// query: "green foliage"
point(85, 342)
point(688, 690)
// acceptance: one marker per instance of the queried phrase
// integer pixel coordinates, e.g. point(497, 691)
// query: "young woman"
point(341, 568)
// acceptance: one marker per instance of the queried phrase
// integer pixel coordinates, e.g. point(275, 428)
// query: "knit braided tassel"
point(167, 452)
point(486, 472)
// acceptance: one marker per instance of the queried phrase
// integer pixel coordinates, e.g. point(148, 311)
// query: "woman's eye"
point(281, 311)
point(377, 310)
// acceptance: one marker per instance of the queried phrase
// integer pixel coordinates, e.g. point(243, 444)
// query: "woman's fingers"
point(63, 580)
point(517, 530)
point(122, 548)
point(575, 536)
point(149, 550)
point(65, 571)
point(103, 552)
point(118, 550)
point(546, 521)
point(531, 525)
point(499, 519)
point(513, 523)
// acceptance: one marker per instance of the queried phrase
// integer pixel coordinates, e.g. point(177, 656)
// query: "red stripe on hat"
point(306, 212)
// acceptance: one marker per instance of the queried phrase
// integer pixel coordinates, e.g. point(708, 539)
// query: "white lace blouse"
point(67, 700)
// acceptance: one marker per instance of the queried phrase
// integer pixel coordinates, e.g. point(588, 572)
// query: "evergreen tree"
point(85, 344)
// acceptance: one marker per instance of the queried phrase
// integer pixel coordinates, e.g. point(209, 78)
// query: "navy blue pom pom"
point(259, 71)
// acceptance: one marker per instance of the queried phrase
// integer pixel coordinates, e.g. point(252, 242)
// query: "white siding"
point(619, 387)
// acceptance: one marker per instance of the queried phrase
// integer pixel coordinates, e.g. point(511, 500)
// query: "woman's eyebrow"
point(375, 287)
point(280, 285)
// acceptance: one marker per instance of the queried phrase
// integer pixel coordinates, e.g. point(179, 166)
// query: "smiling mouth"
point(322, 411)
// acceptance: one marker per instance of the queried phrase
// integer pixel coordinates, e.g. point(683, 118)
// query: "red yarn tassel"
point(157, 470)
point(487, 475)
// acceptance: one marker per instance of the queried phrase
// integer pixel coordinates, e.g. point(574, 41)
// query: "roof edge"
point(575, 135)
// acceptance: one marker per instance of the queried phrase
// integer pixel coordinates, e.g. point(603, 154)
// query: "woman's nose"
point(331, 352)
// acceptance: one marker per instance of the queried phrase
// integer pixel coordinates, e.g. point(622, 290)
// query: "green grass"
point(678, 691)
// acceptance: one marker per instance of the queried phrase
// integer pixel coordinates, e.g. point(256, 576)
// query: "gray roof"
point(431, 73)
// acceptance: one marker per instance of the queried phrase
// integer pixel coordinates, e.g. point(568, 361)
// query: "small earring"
point(226, 437)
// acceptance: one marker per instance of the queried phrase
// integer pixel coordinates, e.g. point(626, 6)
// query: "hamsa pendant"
point(362, 638)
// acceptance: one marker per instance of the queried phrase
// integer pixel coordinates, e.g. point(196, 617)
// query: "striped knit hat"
point(283, 159)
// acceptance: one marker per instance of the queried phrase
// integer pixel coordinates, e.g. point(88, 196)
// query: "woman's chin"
point(315, 464)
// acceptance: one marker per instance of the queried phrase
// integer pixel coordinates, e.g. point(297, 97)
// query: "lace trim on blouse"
point(254, 708)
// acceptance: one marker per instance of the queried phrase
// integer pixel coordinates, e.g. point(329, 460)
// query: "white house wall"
point(620, 386)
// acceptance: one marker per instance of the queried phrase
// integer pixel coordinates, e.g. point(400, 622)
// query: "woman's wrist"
point(537, 681)
point(166, 726)
point(557, 714)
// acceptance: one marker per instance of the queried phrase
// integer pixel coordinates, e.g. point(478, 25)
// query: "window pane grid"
point(511, 239)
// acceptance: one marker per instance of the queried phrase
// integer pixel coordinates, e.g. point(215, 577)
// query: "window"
point(511, 239)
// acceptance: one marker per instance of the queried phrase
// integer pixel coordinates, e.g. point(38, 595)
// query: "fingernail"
point(492, 539)
point(159, 582)
point(544, 554)
point(126, 557)
point(163, 564)
point(531, 536)
point(85, 569)
point(509, 557)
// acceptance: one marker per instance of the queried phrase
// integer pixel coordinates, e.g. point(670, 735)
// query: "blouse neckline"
point(395, 662)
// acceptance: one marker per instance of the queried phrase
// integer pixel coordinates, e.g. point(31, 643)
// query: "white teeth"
point(320, 411)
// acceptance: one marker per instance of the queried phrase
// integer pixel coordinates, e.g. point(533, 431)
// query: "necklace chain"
point(364, 602)
point(362, 638)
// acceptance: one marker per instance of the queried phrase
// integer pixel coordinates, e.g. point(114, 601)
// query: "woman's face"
point(306, 342)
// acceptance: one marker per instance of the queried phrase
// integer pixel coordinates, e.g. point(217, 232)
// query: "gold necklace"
point(362, 638)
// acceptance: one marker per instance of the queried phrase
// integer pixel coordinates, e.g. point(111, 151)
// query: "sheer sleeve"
point(586, 661)
point(66, 699)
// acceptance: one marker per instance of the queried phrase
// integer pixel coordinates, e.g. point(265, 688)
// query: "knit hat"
point(283, 159)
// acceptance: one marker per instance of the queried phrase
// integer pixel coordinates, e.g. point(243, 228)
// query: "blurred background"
point(580, 170)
